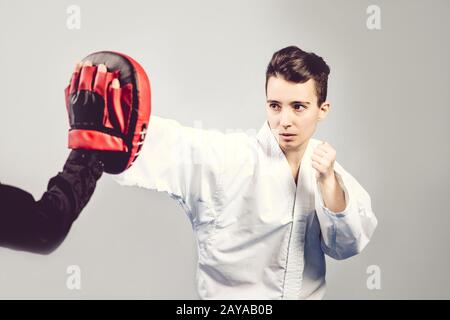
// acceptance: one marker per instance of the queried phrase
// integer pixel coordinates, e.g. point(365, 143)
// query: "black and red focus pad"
point(114, 125)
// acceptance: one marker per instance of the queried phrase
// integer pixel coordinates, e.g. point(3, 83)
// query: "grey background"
point(207, 60)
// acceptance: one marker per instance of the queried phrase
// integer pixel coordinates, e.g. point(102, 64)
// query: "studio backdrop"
point(388, 88)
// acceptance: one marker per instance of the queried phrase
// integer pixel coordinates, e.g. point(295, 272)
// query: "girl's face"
point(292, 112)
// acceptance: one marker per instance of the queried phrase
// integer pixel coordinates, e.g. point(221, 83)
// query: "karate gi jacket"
point(259, 235)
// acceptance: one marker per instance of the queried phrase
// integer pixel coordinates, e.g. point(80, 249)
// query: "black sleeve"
point(41, 226)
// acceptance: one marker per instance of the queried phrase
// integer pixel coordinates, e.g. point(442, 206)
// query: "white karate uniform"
point(259, 235)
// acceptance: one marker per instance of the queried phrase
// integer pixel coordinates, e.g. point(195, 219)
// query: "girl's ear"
point(323, 110)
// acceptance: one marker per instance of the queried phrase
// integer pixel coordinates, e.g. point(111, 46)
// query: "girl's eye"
point(273, 105)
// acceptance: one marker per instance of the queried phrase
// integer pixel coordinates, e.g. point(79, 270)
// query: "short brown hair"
point(294, 64)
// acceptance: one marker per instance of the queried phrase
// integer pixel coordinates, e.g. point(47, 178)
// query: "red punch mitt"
point(110, 120)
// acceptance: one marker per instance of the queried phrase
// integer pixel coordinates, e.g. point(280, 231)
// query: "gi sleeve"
point(182, 161)
point(346, 233)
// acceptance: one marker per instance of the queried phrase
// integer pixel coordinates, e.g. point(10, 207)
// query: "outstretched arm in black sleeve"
point(41, 226)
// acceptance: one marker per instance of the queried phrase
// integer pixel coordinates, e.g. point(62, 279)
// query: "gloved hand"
point(96, 117)
point(108, 115)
